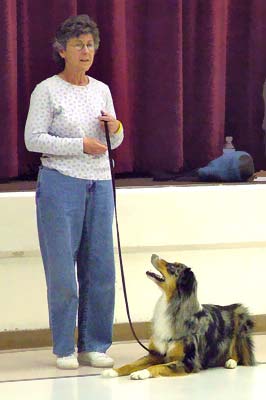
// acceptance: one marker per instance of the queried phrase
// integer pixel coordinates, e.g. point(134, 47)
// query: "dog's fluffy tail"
point(244, 342)
point(245, 351)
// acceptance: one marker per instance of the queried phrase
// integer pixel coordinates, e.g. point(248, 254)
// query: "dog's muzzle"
point(154, 259)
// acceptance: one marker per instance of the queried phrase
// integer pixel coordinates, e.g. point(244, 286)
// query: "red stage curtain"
point(183, 74)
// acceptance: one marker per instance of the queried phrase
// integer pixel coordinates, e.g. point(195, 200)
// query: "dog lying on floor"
point(187, 336)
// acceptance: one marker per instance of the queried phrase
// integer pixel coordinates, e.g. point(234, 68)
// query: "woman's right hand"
point(93, 146)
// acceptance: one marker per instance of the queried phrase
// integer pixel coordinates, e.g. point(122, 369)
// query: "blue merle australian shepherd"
point(186, 336)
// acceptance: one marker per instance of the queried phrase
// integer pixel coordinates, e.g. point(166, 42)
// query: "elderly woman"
point(74, 196)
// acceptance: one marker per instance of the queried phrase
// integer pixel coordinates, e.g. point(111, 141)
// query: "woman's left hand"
point(113, 124)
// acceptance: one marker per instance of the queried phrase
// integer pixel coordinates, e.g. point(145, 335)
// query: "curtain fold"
point(204, 79)
point(8, 85)
point(157, 88)
point(183, 74)
point(246, 72)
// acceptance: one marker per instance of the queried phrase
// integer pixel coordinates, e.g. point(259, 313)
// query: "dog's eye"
point(171, 268)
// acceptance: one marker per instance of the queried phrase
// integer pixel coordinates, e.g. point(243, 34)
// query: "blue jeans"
point(75, 233)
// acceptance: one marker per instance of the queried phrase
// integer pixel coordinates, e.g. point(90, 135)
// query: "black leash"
point(107, 135)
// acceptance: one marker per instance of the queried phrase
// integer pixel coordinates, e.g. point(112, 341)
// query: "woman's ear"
point(62, 53)
point(59, 48)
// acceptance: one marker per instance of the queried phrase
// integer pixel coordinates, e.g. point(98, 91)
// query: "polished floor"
point(31, 375)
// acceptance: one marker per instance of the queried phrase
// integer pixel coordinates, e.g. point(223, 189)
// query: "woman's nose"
point(85, 49)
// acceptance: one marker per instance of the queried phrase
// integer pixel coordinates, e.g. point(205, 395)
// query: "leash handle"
point(107, 136)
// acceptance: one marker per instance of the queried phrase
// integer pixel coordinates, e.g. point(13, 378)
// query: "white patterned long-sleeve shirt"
point(60, 116)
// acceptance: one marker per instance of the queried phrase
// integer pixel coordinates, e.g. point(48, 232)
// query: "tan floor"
point(40, 363)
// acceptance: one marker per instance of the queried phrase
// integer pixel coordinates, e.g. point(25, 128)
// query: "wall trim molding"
point(11, 340)
point(150, 249)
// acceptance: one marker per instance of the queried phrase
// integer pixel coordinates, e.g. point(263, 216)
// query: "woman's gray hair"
point(73, 27)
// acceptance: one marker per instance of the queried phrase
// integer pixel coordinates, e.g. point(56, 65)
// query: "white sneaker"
point(68, 362)
point(95, 359)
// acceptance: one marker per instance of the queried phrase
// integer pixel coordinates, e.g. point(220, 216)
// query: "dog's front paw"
point(142, 374)
point(230, 364)
point(109, 373)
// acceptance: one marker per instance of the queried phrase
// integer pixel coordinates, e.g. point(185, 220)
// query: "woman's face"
point(79, 53)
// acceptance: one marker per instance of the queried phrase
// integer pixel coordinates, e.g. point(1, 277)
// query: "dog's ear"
point(186, 282)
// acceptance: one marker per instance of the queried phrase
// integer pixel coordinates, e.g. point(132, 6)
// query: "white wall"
point(219, 231)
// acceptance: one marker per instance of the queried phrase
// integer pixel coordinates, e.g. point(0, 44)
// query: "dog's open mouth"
point(157, 277)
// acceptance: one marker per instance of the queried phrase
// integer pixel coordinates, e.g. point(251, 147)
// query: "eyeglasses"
point(79, 46)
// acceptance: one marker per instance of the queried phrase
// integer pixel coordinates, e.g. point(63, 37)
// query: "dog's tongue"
point(155, 276)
